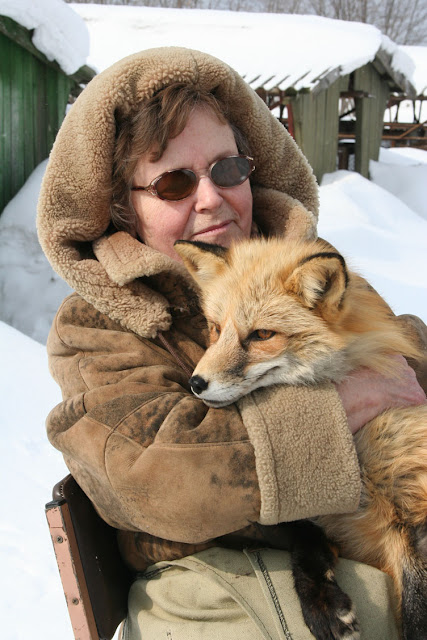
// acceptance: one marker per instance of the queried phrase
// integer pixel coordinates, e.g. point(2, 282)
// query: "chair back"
point(95, 579)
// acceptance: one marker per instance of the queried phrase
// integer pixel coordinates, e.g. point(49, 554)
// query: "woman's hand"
point(365, 394)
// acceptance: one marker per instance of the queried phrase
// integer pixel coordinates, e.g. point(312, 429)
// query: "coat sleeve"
point(154, 458)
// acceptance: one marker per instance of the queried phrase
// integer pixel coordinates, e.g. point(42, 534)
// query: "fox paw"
point(332, 615)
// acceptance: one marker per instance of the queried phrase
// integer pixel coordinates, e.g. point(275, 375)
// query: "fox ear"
point(320, 281)
point(203, 261)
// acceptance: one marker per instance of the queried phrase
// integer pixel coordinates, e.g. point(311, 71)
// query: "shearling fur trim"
point(73, 209)
point(124, 258)
point(277, 213)
point(289, 486)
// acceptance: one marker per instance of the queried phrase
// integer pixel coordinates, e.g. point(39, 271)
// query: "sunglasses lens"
point(232, 171)
point(176, 185)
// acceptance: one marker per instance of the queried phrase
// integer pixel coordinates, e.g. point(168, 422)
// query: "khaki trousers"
point(223, 594)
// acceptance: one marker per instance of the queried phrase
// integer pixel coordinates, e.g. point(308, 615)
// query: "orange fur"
point(327, 322)
point(320, 314)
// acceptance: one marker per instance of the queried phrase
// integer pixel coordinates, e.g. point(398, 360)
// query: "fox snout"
point(198, 384)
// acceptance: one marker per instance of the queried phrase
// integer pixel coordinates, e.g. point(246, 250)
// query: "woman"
point(171, 144)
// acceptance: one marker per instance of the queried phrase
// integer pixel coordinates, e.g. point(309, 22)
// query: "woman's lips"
point(214, 230)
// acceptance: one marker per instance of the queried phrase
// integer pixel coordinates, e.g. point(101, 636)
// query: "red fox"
point(282, 311)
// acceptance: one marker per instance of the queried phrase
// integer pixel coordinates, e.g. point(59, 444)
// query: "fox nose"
point(198, 384)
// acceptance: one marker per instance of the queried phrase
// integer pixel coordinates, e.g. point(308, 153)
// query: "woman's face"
point(210, 214)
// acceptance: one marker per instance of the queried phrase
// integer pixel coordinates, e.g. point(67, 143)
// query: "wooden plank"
point(50, 109)
point(331, 132)
point(343, 83)
point(63, 94)
point(42, 119)
point(5, 121)
point(17, 119)
point(297, 109)
point(33, 99)
point(375, 103)
point(369, 106)
point(297, 121)
point(57, 89)
point(319, 132)
point(71, 571)
point(30, 75)
point(362, 124)
point(370, 116)
point(308, 128)
point(382, 106)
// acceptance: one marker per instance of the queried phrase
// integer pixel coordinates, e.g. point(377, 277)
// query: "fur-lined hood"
point(111, 271)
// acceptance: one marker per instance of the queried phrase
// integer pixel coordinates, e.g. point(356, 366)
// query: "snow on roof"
point(267, 49)
point(418, 55)
point(59, 32)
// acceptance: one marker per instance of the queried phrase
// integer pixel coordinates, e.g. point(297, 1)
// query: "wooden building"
point(339, 112)
point(330, 112)
point(34, 93)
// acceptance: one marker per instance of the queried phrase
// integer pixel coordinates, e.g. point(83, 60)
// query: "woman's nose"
point(207, 195)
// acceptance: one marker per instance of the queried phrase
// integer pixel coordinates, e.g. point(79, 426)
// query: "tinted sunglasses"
point(181, 183)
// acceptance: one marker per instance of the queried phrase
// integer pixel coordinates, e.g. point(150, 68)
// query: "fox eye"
point(214, 331)
point(262, 334)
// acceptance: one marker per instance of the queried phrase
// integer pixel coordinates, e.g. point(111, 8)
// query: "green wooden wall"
point(316, 127)
point(33, 98)
point(369, 116)
point(316, 121)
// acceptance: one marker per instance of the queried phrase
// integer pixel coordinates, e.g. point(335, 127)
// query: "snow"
point(381, 237)
point(26, 278)
point(32, 603)
point(296, 59)
point(379, 225)
point(59, 32)
point(407, 182)
point(418, 56)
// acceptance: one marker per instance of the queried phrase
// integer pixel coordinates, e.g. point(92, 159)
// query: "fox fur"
point(290, 312)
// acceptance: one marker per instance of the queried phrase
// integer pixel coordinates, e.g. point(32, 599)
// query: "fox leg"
point(414, 586)
point(389, 529)
point(403, 553)
point(327, 610)
point(392, 520)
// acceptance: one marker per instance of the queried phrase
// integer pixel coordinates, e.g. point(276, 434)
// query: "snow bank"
point(380, 236)
point(403, 156)
point(406, 181)
point(30, 291)
point(31, 597)
point(59, 32)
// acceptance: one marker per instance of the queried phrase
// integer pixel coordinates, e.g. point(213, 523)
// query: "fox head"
point(282, 311)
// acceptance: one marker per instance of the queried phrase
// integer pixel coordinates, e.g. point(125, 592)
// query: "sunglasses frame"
point(151, 188)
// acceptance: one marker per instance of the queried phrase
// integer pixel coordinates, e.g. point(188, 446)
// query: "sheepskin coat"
point(172, 475)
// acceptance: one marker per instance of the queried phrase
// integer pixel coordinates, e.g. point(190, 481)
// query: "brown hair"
point(160, 118)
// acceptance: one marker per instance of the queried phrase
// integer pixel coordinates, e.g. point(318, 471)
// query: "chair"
point(94, 578)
